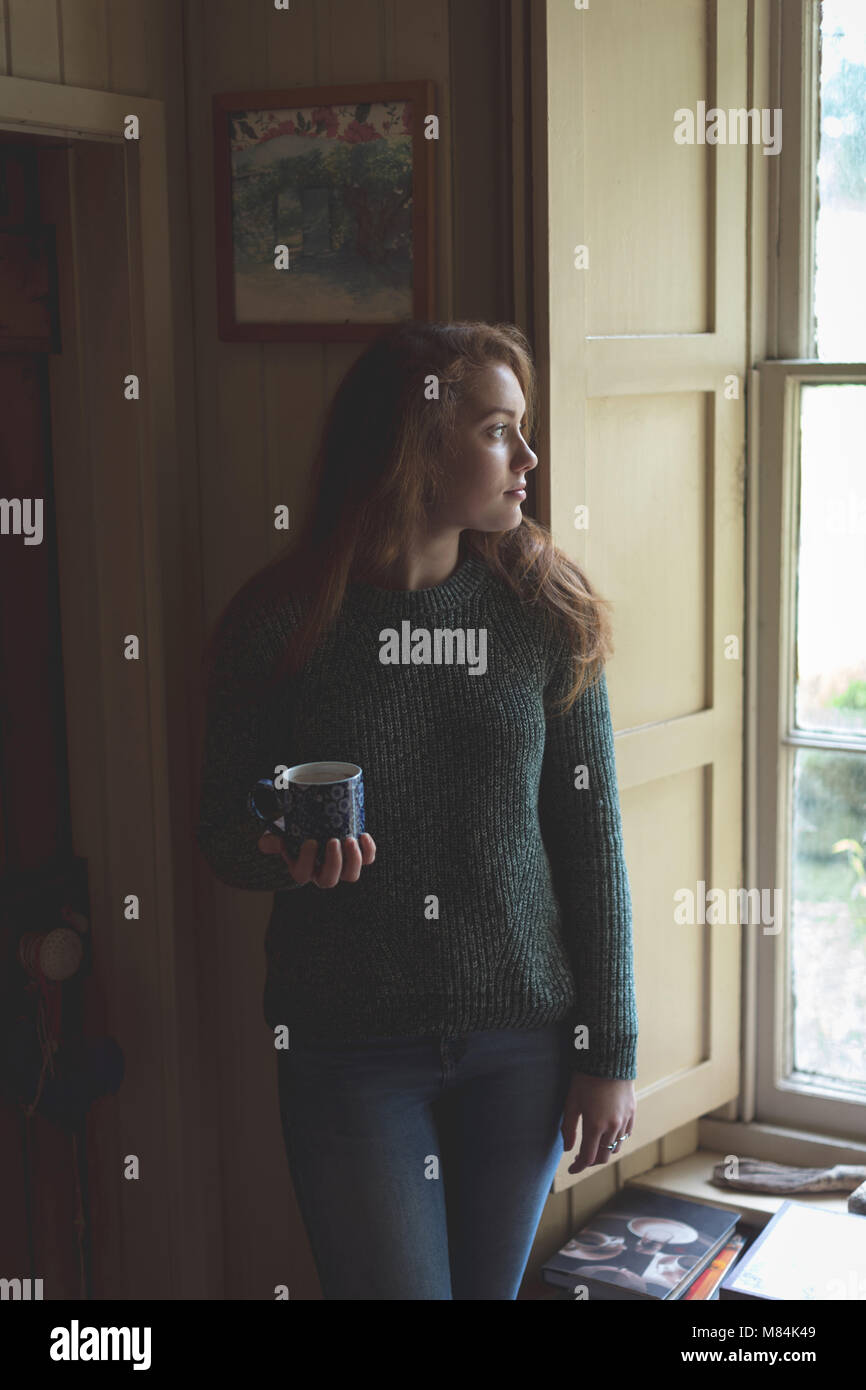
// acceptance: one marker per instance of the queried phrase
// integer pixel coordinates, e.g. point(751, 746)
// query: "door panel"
point(647, 430)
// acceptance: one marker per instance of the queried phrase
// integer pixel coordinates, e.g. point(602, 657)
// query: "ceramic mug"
point(314, 801)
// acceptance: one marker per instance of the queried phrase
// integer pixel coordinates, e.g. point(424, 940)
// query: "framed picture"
point(324, 204)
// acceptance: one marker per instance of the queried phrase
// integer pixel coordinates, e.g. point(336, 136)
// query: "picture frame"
point(340, 179)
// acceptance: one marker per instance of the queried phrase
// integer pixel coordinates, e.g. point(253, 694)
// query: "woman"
point(457, 984)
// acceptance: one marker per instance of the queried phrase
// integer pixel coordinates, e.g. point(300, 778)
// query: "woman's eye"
point(505, 427)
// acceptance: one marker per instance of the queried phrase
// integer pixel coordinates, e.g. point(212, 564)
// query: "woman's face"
point(492, 455)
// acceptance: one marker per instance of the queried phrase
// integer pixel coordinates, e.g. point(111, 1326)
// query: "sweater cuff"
point(232, 852)
point(617, 1061)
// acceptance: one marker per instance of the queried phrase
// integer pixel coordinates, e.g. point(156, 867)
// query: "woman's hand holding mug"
point(342, 861)
point(316, 799)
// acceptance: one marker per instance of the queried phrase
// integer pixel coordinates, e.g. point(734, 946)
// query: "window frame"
point(776, 384)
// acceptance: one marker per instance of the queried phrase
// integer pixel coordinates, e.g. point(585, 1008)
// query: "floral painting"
point(333, 185)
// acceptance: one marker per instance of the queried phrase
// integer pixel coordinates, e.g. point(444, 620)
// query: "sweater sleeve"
point(582, 831)
point(237, 751)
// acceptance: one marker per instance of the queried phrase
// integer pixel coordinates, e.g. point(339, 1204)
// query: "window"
point(808, 674)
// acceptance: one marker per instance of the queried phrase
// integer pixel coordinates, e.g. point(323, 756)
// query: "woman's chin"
point(505, 518)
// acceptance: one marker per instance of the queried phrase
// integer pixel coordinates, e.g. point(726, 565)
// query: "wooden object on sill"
point(760, 1175)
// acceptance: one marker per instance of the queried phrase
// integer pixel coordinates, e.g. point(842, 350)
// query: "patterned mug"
point(315, 801)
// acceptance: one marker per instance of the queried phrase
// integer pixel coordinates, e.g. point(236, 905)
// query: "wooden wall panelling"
point(33, 37)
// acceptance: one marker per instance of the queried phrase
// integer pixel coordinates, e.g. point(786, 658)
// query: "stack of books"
point(646, 1244)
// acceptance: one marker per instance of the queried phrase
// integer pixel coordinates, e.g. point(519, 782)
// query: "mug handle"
point(251, 802)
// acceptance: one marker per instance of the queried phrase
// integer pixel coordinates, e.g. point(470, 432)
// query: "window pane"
point(830, 689)
point(828, 915)
point(840, 233)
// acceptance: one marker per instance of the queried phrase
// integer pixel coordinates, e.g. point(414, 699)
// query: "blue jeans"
point(421, 1165)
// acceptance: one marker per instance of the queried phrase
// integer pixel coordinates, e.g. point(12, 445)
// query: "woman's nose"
point(531, 459)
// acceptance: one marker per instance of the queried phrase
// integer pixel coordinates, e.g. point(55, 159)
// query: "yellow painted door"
point(641, 338)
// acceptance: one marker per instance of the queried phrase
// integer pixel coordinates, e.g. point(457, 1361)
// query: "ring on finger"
point(620, 1140)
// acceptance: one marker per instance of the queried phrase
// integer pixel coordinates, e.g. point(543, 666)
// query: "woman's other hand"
point(608, 1111)
point(342, 861)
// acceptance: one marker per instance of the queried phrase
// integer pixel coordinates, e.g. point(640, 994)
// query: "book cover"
point(803, 1253)
point(641, 1244)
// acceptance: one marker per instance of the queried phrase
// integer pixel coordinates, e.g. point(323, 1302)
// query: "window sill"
point(690, 1178)
point(782, 1144)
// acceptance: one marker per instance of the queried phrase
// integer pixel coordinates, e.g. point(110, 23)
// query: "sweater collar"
point(413, 603)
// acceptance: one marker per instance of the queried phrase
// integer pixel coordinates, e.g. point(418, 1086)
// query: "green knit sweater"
point(499, 895)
